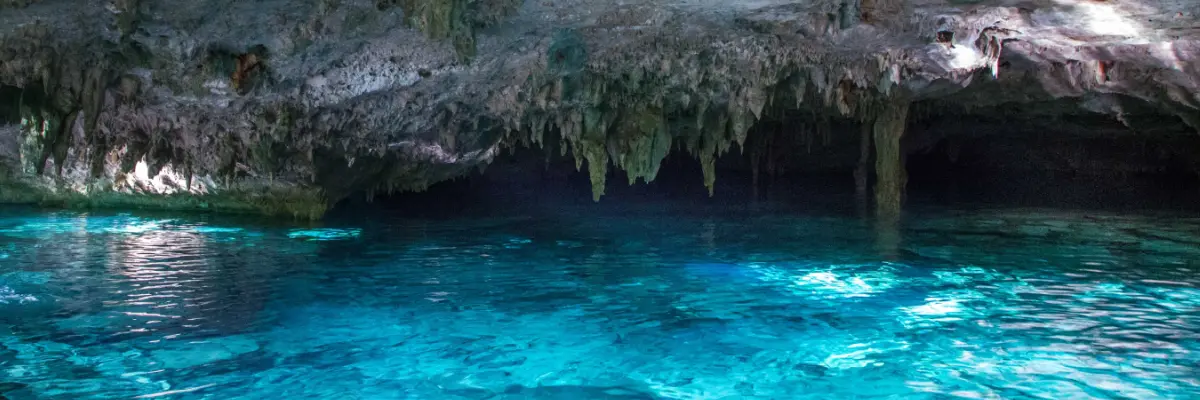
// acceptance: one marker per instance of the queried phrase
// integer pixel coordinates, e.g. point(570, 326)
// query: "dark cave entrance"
point(1087, 161)
point(1081, 161)
point(530, 179)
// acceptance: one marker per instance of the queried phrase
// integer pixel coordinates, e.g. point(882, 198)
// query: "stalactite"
point(639, 142)
point(597, 170)
point(537, 127)
point(843, 97)
point(889, 167)
point(739, 125)
point(191, 173)
point(708, 166)
point(591, 145)
point(62, 144)
point(862, 171)
point(93, 99)
point(799, 89)
point(889, 78)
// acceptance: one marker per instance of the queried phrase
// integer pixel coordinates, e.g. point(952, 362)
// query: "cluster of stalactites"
point(636, 129)
point(67, 98)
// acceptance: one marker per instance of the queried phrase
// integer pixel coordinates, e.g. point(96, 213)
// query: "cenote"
point(510, 286)
point(599, 199)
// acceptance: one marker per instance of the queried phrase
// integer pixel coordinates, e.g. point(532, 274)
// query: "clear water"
point(644, 302)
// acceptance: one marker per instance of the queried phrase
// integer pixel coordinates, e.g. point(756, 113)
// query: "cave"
point(291, 128)
point(573, 199)
point(1083, 160)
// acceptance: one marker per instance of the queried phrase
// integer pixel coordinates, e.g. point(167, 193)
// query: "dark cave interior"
point(1075, 161)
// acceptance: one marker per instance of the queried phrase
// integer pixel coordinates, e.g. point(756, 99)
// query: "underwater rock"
point(191, 354)
point(286, 107)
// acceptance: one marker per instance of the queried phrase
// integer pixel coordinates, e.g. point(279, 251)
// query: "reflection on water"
point(564, 305)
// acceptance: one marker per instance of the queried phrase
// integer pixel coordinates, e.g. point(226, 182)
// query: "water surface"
point(642, 301)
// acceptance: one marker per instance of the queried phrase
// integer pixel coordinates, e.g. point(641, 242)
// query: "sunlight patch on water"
point(1177, 299)
point(216, 229)
point(123, 223)
point(8, 296)
point(130, 225)
point(944, 307)
point(34, 229)
point(862, 355)
point(516, 243)
point(837, 284)
point(324, 234)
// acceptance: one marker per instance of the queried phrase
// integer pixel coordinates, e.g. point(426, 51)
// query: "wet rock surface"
point(285, 107)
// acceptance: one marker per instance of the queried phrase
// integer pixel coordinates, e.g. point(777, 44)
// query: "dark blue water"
point(639, 301)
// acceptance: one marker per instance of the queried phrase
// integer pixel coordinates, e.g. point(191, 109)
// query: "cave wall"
point(285, 107)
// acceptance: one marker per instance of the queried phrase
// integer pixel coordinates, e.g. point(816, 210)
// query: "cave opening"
point(801, 163)
point(1091, 162)
point(531, 179)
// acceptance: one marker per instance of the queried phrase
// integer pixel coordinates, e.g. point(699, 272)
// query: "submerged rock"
point(285, 107)
point(191, 354)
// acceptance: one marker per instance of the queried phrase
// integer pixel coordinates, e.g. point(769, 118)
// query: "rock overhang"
point(348, 96)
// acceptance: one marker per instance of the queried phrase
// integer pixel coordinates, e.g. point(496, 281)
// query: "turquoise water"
point(648, 302)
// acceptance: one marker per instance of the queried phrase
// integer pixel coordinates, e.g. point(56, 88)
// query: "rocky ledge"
point(286, 106)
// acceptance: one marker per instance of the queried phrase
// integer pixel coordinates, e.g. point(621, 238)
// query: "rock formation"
point(286, 106)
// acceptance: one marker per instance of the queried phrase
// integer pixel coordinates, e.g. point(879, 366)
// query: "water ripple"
point(994, 304)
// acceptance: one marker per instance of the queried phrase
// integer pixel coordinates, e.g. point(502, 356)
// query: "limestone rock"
point(287, 106)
